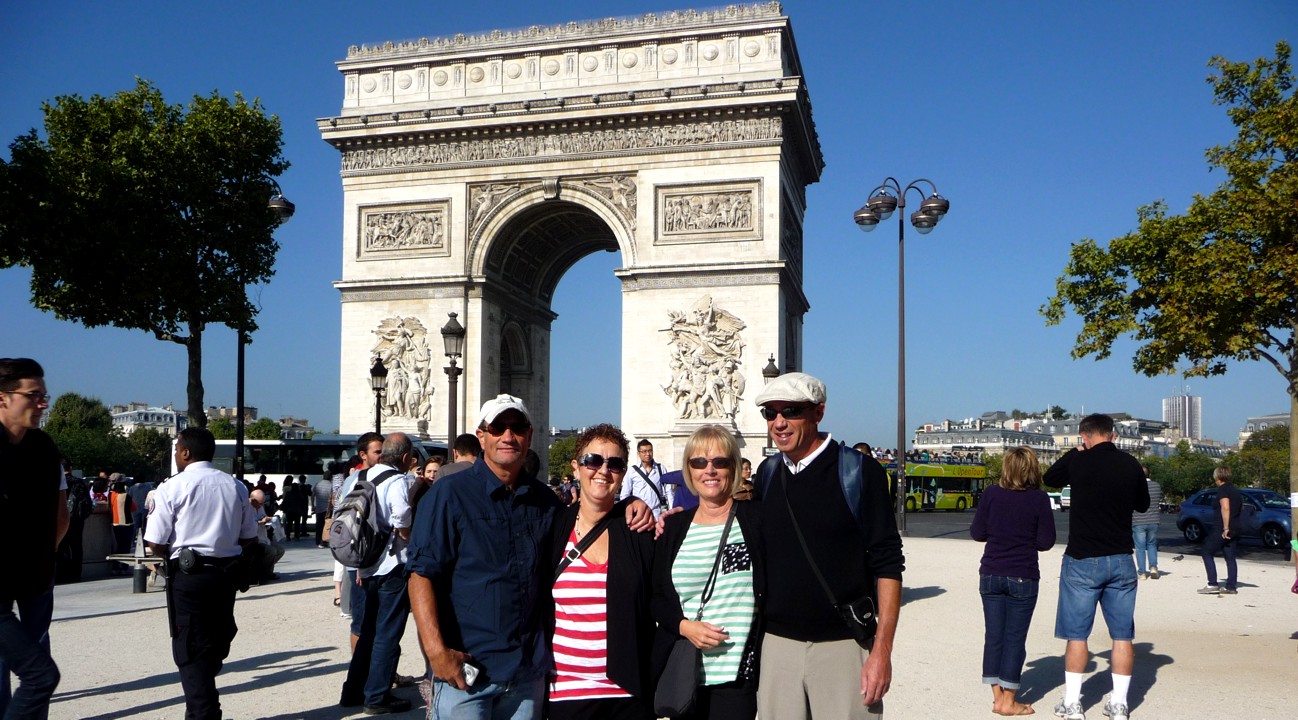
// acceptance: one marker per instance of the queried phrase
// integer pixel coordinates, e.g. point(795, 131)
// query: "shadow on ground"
point(1043, 679)
point(910, 595)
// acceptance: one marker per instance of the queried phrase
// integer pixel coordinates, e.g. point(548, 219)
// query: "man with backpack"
point(374, 516)
point(80, 507)
point(830, 536)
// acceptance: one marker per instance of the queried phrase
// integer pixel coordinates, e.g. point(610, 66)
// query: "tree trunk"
point(194, 390)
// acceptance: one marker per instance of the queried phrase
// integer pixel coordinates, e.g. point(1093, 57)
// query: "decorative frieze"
point(705, 352)
point(402, 345)
point(403, 231)
point(563, 143)
point(618, 190)
point(709, 212)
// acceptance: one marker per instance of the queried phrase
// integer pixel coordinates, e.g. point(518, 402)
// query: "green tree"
point(72, 411)
point(129, 186)
point(1217, 283)
point(561, 452)
point(1263, 461)
point(151, 447)
point(263, 429)
point(1056, 413)
point(993, 461)
point(1182, 473)
point(222, 428)
point(83, 430)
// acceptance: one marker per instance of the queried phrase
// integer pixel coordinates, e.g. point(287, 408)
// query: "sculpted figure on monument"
point(617, 189)
point(402, 230)
point(483, 198)
point(706, 351)
point(403, 347)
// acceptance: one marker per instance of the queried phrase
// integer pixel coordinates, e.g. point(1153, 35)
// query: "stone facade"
point(477, 169)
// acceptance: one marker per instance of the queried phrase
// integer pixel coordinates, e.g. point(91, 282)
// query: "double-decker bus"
point(277, 458)
point(940, 485)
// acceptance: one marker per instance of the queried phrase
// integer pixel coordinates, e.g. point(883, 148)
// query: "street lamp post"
point(884, 199)
point(379, 384)
point(284, 210)
point(453, 339)
point(769, 373)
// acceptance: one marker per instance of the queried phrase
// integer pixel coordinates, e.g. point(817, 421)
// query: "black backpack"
point(80, 506)
point(355, 538)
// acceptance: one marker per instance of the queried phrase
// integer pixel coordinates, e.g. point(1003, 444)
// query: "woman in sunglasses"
point(601, 630)
point(707, 587)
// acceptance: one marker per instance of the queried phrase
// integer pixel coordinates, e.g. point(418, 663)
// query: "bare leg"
point(1008, 704)
point(1124, 657)
point(1076, 654)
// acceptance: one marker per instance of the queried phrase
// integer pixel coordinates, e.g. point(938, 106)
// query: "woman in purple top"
point(1015, 520)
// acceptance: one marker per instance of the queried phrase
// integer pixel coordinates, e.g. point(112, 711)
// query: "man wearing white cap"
point(478, 574)
point(829, 534)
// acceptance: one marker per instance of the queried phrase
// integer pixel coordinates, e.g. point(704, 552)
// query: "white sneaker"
point(1070, 712)
point(1116, 711)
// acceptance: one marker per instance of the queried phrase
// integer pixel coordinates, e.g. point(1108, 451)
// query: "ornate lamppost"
point(453, 338)
point(379, 384)
point(284, 210)
point(769, 373)
point(884, 199)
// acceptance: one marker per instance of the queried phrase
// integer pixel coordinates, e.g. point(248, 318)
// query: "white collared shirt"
point(204, 509)
point(393, 509)
point(799, 466)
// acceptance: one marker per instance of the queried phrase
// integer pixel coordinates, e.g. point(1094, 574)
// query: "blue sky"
point(1043, 123)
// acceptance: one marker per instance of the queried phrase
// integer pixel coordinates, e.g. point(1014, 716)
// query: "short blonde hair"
point(707, 436)
point(1020, 469)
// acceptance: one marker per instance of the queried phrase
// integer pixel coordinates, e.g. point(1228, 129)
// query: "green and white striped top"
point(732, 605)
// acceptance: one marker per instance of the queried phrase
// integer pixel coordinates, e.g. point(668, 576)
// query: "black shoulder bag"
point(589, 538)
point(680, 677)
point(859, 613)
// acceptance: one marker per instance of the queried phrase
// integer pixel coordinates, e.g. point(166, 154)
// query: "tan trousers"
point(802, 680)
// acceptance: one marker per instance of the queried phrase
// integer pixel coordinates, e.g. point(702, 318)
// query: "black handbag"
point(858, 614)
point(679, 680)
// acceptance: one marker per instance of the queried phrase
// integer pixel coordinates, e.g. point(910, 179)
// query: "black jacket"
point(666, 601)
point(630, 626)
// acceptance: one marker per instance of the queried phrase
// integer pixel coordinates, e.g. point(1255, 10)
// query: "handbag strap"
point(586, 541)
point(784, 486)
point(711, 584)
point(662, 497)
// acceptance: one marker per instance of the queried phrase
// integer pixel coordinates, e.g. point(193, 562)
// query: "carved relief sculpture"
point(403, 230)
point(485, 198)
point(618, 190)
point(706, 351)
point(403, 347)
point(709, 212)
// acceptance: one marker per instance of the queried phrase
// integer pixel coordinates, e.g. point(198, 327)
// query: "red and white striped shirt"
point(581, 633)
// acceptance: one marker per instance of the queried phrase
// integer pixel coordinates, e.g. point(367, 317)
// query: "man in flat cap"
point(829, 534)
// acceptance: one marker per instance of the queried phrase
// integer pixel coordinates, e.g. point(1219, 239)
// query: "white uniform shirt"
point(204, 509)
point(636, 485)
point(394, 512)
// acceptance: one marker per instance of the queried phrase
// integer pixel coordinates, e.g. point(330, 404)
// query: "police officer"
point(200, 520)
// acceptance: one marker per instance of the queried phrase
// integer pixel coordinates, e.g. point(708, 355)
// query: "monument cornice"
point(719, 274)
point(497, 42)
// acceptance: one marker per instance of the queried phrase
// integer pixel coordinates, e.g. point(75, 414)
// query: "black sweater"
point(1108, 485)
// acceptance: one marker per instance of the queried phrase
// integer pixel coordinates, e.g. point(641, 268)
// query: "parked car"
point(1065, 498)
point(1265, 516)
point(1054, 500)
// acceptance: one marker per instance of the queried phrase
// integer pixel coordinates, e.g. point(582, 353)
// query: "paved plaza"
point(1196, 655)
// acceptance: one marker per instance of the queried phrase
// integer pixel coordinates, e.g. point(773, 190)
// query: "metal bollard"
point(140, 578)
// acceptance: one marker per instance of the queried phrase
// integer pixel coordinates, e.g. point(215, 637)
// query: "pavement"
point(1230, 656)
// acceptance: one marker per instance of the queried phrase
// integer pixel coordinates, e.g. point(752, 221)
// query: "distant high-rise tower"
point(1185, 411)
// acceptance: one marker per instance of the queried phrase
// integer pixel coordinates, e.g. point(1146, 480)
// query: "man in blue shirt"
point(478, 574)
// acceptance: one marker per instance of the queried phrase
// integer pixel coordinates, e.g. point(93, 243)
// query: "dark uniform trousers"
point(204, 608)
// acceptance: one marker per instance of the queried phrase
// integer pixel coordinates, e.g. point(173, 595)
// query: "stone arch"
point(515, 357)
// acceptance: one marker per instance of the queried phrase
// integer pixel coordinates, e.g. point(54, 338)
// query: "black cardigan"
point(666, 603)
point(630, 626)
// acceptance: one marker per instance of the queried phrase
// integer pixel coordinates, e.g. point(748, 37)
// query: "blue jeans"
point(1110, 581)
point(1145, 538)
point(1212, 543)
point(489, 701)
point(387, 607)
point(1007, 611)
point(25, 651)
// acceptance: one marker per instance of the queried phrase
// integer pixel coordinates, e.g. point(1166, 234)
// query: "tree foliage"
point(1263, 461)
point(561, 454)
point(82, 428)
point(1220, 282)
point(263, 429)
point(222, 428)
point(1182, 473)
point(138, 214)
point(153, 448)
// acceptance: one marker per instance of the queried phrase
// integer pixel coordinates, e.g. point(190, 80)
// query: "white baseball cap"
point(793, 387)
point(499, 404)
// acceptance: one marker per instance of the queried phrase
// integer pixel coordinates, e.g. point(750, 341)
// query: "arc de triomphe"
point(477, 169)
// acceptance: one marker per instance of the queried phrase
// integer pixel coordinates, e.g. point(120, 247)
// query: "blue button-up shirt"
point(482, 545)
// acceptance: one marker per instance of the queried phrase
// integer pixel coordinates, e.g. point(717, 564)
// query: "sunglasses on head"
point(594, 461)
point(518, 427)
point(720, 463)
point(790, 412)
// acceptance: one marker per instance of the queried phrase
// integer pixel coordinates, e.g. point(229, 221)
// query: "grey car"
point(1265, 516)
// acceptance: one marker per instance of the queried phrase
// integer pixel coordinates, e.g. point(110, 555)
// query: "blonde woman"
point(728, 631)
point(1014, 518)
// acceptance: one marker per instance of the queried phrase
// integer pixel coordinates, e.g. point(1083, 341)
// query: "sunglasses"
point(35, 396)
point(790, 412)
point(593, 461)
point(720, 463)
point(518, 427)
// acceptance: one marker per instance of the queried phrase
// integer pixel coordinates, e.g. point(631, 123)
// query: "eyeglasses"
point(593, 461)
point(790, 412)
point(720, 463)
point(518, 427)
point(34, 395)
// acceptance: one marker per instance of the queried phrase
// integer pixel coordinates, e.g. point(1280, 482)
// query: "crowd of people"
point(641, 594)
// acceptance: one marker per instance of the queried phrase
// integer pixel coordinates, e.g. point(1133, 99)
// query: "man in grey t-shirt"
point(1144, 531)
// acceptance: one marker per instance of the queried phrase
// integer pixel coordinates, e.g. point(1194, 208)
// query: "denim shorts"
point(1109, 581)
